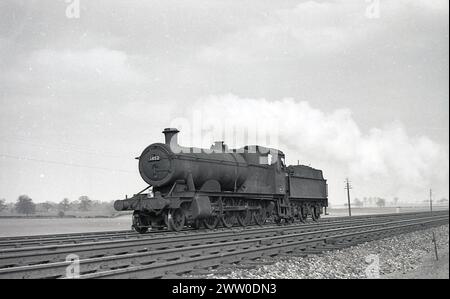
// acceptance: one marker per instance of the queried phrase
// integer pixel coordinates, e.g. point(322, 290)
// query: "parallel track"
point(236, 252)
point(157, 255)
point(75, 238)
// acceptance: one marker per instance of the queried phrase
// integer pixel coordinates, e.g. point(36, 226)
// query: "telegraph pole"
point(433, 236)
point(348, 187)
point(431, 201)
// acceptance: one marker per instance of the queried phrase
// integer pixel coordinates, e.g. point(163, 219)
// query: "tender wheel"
point(211, 222)
point(259, 217)
point(315, 213)
point(176, 219)
point(303, 215)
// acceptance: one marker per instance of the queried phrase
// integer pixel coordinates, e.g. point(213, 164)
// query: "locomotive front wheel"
point(138, 223)
point(176, 219)
point(211, 222)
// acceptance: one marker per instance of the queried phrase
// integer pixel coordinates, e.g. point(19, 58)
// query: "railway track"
point(11, 257)
point(157, 255)
point(75, 238)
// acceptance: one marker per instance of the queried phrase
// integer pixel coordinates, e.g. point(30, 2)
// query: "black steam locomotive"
point(208, 187)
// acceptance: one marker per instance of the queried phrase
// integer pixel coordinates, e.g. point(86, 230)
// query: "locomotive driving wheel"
point(211, 222)
point(243, 217)
point(228, 217)
point(259, 216)
point(176, 219)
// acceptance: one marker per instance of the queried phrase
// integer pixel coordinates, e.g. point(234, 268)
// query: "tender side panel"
point(307, 188)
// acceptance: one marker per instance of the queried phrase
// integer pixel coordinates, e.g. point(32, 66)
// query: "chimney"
point(219, 146)
point(171, 136)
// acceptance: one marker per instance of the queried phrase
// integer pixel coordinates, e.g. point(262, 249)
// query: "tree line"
point(25, 205)
point(382, 202)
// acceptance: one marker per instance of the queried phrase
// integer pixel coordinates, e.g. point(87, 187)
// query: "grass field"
point(38, 226)
point(343, 211)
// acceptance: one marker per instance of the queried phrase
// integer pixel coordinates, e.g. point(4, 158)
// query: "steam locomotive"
point(219, 186)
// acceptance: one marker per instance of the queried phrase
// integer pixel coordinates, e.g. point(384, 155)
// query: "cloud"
point(95, 62)
point(437, 6)
point(317, 28)
point(386, 160)
point(69, 72)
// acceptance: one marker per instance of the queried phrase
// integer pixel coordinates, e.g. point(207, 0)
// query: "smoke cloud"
point(383, 161)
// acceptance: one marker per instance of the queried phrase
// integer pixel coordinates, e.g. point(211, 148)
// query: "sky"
point(356, 88)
